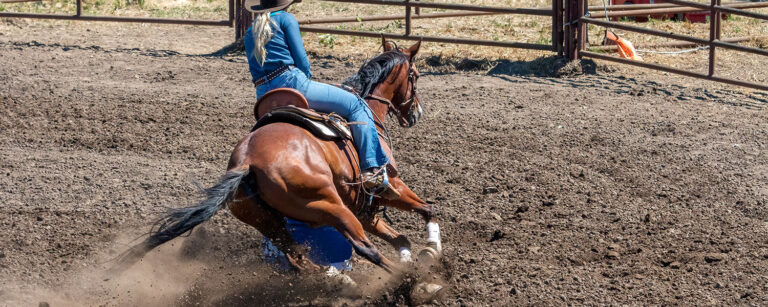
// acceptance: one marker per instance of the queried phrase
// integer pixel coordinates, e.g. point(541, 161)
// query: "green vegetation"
point(327, 40)
point(545, 36)
point(117, 4)
point(595, 50)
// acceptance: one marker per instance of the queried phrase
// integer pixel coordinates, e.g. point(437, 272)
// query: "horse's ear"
point(386, 44)
point(413, 50)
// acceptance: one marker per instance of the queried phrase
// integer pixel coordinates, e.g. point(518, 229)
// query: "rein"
point(376, 119)
point(366, 206)
point(391, 106)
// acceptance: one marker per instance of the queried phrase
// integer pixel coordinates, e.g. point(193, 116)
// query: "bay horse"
point(282, 170)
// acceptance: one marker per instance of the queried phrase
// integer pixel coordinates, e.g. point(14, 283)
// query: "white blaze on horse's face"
point(416, 116)
point(413, 116)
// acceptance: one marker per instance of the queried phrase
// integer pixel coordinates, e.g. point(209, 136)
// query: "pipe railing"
point(435, 39)
point(726, 8)
point(673, 70)
point(453, 6)
point(469, 10)
point(714, 41)
point(679, 44)
point(80, 16)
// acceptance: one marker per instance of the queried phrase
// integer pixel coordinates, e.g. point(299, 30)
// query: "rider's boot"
point(376, 180)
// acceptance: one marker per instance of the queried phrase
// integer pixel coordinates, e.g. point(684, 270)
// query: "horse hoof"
point(425, 292)
point(428, 255)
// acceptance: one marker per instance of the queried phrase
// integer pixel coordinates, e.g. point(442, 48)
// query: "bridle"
point(412, 78)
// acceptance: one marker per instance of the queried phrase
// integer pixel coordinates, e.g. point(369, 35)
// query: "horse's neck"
point(379, 108)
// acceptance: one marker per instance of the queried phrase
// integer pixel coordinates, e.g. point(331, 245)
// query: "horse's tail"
point(179, 221)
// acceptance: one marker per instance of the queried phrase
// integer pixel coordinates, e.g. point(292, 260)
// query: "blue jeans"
point(330, 99)
point(326, 246)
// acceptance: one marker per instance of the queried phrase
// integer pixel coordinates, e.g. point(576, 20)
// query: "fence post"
point(407, 18)
point(576, 31)
point(571, 7)
point(714, 33)
point(231, 13)
point(557, 26)
point(581, 36)
point(243, 19)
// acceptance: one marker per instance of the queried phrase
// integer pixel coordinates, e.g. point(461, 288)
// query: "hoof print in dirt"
point(497, 235)
point(612, 255)
point(712, 258)
point(672, 264)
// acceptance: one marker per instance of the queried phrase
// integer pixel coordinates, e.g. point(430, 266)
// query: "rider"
point(277, 58)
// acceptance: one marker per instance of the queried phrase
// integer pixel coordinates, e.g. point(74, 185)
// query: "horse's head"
point(405, 102)
point(390, 78)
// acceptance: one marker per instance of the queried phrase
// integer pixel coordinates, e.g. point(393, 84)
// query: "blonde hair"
point(262, 33)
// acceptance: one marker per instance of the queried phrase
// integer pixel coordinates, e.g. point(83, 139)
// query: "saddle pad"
point(323, 127)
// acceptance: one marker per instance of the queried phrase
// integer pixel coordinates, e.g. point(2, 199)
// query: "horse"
point(282, 170)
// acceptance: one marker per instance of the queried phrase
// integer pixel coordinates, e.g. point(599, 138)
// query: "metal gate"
point(412, 12)
point(581, 16)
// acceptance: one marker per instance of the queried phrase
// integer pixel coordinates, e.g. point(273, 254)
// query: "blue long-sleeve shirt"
point(284, 48)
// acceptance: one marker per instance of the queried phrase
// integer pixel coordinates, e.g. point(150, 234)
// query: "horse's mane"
point(375, 71)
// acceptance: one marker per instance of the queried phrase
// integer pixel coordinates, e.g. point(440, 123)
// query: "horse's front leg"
point(411, 202)
point(381, 229)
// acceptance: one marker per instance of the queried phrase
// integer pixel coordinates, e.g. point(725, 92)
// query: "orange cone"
point(625, 48)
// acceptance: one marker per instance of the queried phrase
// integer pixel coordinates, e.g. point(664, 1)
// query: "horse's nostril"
point(413, 119)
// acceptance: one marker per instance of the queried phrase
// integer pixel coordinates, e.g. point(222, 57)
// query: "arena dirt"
point(584, 186)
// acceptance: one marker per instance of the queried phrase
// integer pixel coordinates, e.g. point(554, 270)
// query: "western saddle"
point(287, 105)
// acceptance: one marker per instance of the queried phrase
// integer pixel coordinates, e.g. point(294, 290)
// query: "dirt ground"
point(600, 186)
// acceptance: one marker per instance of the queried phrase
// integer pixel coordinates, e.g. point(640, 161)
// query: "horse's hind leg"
point(271, 224)
point(381, 229)
point(351, 228)
point(338, 216)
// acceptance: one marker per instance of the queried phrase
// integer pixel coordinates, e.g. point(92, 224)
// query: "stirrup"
point(377, 183)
